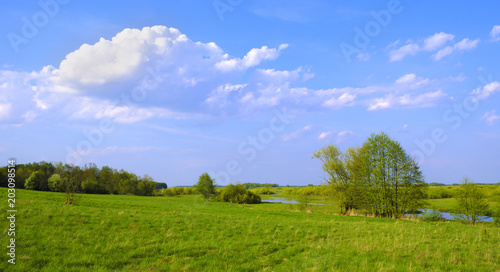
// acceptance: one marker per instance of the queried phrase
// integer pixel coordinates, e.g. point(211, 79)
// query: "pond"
point(448, 216)
point(282, 200)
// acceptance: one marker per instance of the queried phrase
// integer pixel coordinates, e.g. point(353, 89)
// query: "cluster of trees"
point(230, 193)
point(379, 177)
point(59, 177)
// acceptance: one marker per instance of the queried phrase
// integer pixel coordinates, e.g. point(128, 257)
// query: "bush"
point(303, 202)
point(237, 194)
point(263, 191)
point(432, 215)
point(496, 215)
point(174, 191)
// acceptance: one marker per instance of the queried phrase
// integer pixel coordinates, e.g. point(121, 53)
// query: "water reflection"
point(282, 200)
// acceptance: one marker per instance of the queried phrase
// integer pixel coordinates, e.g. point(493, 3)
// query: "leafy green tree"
point(205, 186)
point(146, 186)
point(393, 181)
point(56, 183)
point(36, 181)
point(342, 175)
point(471, 203)
point(378, 176)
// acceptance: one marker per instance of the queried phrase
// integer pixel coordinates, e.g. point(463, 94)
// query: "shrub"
point(432, 215)
point(303, 202)
point(174, 191)
point(263, 191)
point(496, 215)
point(237, 194)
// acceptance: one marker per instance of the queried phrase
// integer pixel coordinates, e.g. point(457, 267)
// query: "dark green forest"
point(58, 177)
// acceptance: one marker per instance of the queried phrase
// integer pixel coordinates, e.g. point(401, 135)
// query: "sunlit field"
point(186, 233)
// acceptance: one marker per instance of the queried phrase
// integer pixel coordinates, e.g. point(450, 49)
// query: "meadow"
point(186, 233)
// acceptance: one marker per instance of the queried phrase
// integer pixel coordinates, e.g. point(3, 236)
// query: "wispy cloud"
point(495, 33)
point(486, 91)
point(297, 134)
point(491, 117)
point(431, 44)
point(337, 136)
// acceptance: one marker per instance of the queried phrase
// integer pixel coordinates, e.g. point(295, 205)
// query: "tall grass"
point(132, 233)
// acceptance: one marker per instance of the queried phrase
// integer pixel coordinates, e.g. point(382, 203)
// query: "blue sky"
point(248, 90)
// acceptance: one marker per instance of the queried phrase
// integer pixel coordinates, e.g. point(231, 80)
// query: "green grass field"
point(132, 233)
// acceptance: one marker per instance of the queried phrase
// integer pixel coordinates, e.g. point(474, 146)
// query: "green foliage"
point(436, 184)
point(251, 185)
point(471, 203)
point(45, 176)
point(174, 191)
point(237, 194)
point(205, 186)
point(432, 215)
point(37, 181)
point(263, 191)
point(71, 188)
point(495, 214)
point(379, 176)
point(441, 192)
point(56, 183)
point(303, 202)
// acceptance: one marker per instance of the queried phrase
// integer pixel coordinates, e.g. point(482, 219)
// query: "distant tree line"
point(252, 185)
point(58, 177)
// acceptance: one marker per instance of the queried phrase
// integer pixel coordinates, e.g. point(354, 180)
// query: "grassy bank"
point(132, 233)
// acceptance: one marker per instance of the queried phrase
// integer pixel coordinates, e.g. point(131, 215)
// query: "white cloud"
point(339, 137)
point(98, 152)
point(407, 101)
point(252, 58)
point(109, 60)
point(297, 134)
point(410, 81)
point(346, 99)
point(463, 45)
point(176, 77)
point(437, 41)
point(432, 43)
point(5, 110)
point(495, 33)
point(343, 135)
point(220, 96)
point(491, 117)
point(325, 135)
point(90, 108)
point(408, 78)
point(486, 91)
point(403, 51)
